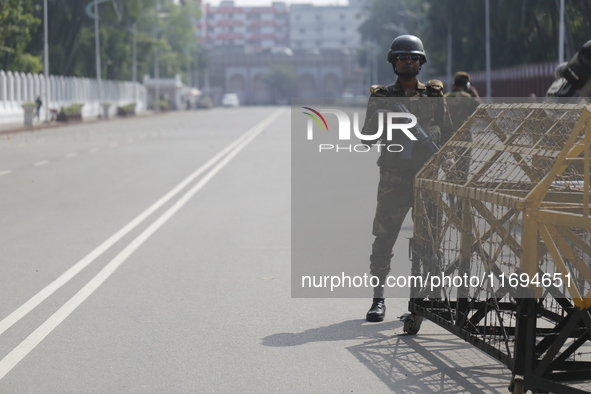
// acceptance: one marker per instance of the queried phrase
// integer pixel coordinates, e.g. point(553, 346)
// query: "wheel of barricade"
point(517, 386)
point(412, 324)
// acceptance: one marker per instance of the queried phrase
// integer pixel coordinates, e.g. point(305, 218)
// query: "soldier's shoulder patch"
point(378, 91)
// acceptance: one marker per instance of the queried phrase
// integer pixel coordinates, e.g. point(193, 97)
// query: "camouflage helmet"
point(434, 88)
point(406, 44)
point(461, 78)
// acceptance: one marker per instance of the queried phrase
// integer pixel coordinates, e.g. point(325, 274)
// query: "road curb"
point(44, 126)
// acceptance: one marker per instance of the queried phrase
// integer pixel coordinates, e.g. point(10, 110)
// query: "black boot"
point(377, 312)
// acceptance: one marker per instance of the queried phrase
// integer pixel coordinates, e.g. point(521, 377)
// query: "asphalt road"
point(152, 255)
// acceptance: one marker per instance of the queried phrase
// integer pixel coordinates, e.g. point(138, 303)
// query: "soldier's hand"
point(378, 91)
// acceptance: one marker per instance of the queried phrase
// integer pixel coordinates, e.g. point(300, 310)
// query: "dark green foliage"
point(522, 31)
point(17, 23)
point(72, 39)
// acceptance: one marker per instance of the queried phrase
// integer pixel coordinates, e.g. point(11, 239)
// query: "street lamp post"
point(134, 63)
point(189, 70)
point(98, 54)
point(46, 60)
point(205, 45)
point(156, 100)
point(561, 34)
point(449, 57)
point(487, 39)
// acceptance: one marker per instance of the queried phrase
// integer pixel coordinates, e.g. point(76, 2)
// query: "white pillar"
point(2, 91)
point(10, 91)
point(53, 90)
point(17, 89)
point(62, 89)
point(23, 82)
point(37, 86)
point(30, 87)
point(75, 88)
point(67, 89)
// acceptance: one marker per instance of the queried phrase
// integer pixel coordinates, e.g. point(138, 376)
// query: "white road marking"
point(114, 145)
point(93, 150)
point(71, 155)
point(41, 163)
point(5, 172)
point(26, 346)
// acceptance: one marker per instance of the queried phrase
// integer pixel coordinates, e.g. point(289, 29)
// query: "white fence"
point(18, 88)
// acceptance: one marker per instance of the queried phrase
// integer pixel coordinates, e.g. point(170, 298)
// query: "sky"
point(259, 3)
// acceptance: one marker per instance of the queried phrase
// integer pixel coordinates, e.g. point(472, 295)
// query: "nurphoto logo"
point(345, 126)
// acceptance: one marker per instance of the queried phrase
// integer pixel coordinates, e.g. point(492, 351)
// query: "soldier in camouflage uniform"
point(463, 99)
point(395, 190)
point(462, 84)
point(462, 102)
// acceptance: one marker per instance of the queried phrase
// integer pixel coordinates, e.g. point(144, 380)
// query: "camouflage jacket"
point(431, 115)
point(459, 93)
point(461, 105)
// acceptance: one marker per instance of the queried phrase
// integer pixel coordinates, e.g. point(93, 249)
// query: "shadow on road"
point(347, 330)
point(430, 363)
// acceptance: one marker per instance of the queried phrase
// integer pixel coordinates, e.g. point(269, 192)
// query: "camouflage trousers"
point(395, 198)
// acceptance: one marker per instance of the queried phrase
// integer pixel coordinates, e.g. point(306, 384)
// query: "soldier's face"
point(405, 63)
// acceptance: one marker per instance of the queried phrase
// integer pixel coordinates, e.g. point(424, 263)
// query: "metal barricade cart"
point(502, 241)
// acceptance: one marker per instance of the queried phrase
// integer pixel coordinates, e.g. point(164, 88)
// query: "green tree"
point(522, 31)
point(16, 25)
point(177, 42)
point(72, 40)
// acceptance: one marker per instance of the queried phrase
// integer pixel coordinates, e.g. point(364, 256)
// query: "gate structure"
point(502, 239)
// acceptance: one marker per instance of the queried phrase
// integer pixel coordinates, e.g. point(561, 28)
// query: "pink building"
point(254, 28)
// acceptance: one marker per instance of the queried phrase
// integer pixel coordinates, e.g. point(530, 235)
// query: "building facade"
point(325, 27)
point(326, 73)
point(254, 28)
point(318, 44)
